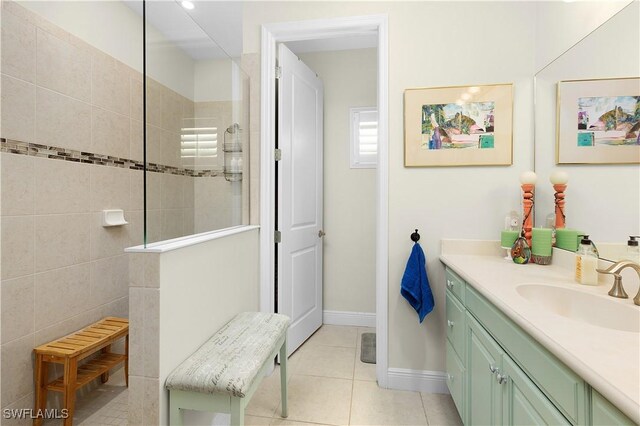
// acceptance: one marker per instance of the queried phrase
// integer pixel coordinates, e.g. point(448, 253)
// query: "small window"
point(364, 137)
point(199, 143)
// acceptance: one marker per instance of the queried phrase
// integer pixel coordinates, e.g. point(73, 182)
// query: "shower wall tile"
point(61, 187)
point(67, 326)
point(154, 226)
point(17, 297)
point(17, 369)
point(64, 287)
point(155, 189)
point(18, 47)
point(172, 223)
point(110, 133)
point(136, 190)
point(155, 142)
point(18, 248)
point(189, 225)
point(109, 279)
point(135, 98)
point(188, 191)
point(18, 184)
point(154, 103)
point(136, 140)
point(108, 241)
point(18, 106)
point(25, 401)
point(170, 149)
point(110, 84)
point(61, 240)
point(135, 227)
point(172, 193)
point(62, 121)
point(171, 110)
point(136, 324)
point(63, 67)
point(110, 188)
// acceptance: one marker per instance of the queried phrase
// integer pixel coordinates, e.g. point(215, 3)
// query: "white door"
point(299, 197)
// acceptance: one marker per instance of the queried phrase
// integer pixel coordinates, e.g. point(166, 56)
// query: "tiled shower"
point(71, 145)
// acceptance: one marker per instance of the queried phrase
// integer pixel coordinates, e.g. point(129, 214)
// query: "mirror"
point(602, 200)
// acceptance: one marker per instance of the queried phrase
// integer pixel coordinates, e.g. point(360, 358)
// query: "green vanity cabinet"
point(484, 361)
point(604, 413)
point(497, 374)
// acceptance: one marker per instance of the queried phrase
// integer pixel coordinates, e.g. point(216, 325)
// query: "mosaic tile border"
point(65, 154)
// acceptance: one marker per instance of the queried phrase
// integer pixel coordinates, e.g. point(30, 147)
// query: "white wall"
point(560, 24)
point(602, 200)
point(467, 202)
point(202, 288)
point(350, 80)
point(212, 80)
point(179, 299)
point(117, 30)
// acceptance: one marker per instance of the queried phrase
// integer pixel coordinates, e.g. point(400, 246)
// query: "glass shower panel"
point(196, 101)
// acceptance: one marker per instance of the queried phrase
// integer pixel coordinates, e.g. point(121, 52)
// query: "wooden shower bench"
point(223, 374)
point(71, 349)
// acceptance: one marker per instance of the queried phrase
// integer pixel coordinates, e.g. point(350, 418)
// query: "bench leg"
point(104, 378)
point(175, 416)
point(42, 376)
point(237, 412)
point(283, 378)
point(69, 394)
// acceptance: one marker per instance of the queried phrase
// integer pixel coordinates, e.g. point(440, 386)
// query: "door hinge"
point(277, 154)
point(278, 71)
point(277, 237)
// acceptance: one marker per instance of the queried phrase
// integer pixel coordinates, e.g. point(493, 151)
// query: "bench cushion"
point(230, 361)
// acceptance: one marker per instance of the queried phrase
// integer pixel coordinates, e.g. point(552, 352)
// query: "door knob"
point(321, 233)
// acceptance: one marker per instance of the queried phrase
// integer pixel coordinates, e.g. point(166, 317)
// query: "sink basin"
point(581, 306)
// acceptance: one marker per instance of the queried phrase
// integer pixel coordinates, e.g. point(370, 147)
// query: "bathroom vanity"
point(526, 345)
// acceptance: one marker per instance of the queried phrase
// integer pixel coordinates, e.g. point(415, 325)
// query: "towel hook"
point(415, 236)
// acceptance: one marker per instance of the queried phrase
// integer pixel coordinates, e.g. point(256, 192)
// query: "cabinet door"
point(484, 360)
point(524, 403)
point(604, 413)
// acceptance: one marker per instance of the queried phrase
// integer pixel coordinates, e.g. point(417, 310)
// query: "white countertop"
point(607, 359)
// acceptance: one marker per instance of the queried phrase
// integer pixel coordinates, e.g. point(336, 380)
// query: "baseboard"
point(358, 319)
point(417, 380)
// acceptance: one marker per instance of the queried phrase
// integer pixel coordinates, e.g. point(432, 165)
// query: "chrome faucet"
point(617, 290)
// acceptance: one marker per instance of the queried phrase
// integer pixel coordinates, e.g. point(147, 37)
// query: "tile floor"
point(328, 385)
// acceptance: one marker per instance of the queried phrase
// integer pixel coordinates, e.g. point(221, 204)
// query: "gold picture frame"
point(597, 121)
point(458, 126)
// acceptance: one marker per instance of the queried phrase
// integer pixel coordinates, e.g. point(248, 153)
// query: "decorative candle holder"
point(528, 181)
point(559, 180)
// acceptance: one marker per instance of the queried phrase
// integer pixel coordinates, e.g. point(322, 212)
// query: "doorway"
point(309, 30)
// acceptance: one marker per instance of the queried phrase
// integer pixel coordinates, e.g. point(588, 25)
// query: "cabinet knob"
point(493, 369)
point(449, 284)
point(501, 379)
point(450, 323)
point(449, 377)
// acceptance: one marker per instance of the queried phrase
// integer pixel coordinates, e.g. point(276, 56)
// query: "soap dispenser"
point(586, 262)
point(633, 250)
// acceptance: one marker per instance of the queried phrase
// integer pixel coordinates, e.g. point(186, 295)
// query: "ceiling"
point(213, 29)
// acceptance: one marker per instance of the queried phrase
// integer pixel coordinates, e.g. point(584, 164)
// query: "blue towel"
point(415, 284)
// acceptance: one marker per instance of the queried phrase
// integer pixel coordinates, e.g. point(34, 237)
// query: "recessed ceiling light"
point(187, 4)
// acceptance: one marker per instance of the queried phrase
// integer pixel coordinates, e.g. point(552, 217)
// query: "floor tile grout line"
point(424, 408)
point(353, 380)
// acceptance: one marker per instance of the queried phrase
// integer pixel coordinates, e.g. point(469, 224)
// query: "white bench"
point(222, 375)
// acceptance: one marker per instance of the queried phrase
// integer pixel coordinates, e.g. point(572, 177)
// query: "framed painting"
point(458, 126)
point(598, 121)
